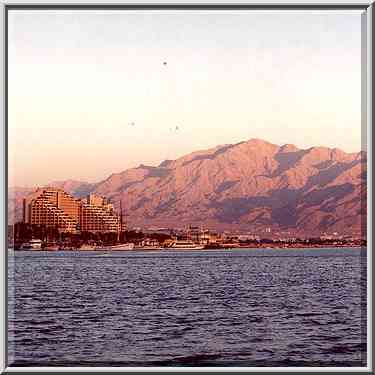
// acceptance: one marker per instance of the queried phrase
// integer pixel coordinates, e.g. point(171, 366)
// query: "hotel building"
point(54, 207)
point(97, 215)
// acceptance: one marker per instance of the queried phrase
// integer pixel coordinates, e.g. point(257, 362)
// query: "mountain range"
point(253, 185)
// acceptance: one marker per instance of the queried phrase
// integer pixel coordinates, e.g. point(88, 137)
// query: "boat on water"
point(123, 246)
point(184, 245)
point(87, 247)
point(51, 248)
point(148, 248)
point(34, 244)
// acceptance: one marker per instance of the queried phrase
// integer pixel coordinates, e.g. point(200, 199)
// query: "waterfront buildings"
point(50, 211)
point(97, 215)
point(198, 235)
point(53, 207)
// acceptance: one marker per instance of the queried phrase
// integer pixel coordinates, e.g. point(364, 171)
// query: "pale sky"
point(79, 79)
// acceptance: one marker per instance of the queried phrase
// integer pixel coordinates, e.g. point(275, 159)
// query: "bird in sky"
point(177, 128)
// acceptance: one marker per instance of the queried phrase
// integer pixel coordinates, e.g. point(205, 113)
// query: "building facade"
point(54, 207)
point(97, 215)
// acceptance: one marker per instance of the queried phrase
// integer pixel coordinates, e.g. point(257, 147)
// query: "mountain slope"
point(248, 185)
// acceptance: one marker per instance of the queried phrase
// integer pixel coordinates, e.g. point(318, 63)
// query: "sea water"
point(248, 307)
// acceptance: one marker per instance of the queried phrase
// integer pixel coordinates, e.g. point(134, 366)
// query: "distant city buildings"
point(198, 235)
point(53, 207)
point(50, 214)
point(97, 215)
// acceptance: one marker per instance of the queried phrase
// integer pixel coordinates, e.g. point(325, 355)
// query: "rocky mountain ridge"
point(249, 186)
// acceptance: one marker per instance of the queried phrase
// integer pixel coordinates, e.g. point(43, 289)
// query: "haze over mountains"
point(249, 186)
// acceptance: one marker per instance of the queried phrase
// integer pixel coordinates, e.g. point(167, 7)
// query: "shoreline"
point(195, 250)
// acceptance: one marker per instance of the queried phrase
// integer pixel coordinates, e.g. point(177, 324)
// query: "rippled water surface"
point(255, 307)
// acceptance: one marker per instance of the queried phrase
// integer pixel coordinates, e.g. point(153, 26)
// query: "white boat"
point(185, 245)
point(32, 245)
point(123, 246)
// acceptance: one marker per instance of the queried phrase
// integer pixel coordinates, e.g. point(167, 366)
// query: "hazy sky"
point(79, 79)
